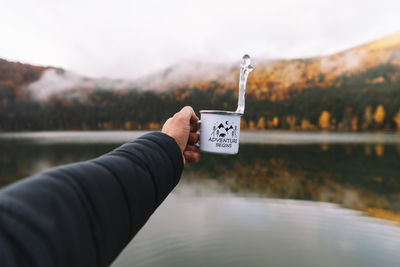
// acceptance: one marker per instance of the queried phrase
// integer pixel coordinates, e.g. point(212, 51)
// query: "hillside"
point(277, 79)
point(14, 76)
point(357, 89)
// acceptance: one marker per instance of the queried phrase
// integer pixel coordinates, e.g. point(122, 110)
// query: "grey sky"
point(129, 39)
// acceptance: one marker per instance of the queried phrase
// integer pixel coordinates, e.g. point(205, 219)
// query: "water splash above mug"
point(220, 129)
point(245, 69)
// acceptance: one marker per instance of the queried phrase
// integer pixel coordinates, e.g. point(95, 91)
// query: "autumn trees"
point(324, 120)
point(106, 110)
point(355, 105)
point(397, 120)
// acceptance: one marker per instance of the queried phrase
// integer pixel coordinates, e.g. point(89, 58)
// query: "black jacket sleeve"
point(84, 214)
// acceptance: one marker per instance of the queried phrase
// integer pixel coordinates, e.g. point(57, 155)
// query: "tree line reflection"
point(360, 177)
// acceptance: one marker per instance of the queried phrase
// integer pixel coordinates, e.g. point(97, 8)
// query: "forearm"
point(84, 214)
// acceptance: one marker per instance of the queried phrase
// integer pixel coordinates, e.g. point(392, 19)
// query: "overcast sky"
point(128, 39)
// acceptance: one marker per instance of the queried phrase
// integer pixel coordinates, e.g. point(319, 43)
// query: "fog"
point(71, 84)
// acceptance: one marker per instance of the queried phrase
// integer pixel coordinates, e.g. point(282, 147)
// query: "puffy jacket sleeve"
point(84, 214)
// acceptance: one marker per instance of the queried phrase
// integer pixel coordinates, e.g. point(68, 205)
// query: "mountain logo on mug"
point(226, 129)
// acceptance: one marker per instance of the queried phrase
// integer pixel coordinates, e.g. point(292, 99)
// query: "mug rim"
point(221, 112)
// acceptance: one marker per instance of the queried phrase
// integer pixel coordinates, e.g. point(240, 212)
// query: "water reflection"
point(363, 177)
point(277, 204)
point(350, 175)
point(21, 158)
point(235, 231)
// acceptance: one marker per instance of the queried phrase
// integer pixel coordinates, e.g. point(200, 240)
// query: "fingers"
point(189, 114)
point(192, 148)
point(191, 156)
point(183, 128)
point(193, 138)
point(194, 127)
point(186, 115)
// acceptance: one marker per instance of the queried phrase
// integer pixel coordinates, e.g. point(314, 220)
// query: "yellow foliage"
point(306, 125)
point(154, 126)
point(379, 149)
point(182, 96)
point(273, 123)
point(107, 125)
point(291, 121)
point(324, 147)
point(379, 115)
point(379, 79)
point(251, 125)
point(261, 123)
point(128, 125)
point(367, 117)
point(384, 214)
point(397, 120)
point(324, 119)
point(354, 124)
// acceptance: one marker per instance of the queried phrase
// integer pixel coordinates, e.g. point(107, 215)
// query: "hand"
point(183, 128)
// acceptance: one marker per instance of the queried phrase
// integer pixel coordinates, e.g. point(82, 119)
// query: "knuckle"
point(188, 109)
point(178, 116)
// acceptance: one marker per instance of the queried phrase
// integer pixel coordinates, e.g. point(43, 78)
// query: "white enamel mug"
point(219, 131)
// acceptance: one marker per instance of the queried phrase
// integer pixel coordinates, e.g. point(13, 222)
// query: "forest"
point(368, 100)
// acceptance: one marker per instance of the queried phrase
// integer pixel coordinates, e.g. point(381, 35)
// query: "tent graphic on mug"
point(224, 130)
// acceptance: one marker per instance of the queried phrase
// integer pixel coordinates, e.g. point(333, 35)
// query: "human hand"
point(183, 128)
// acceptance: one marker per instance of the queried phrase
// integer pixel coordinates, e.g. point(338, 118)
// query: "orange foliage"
point(154, 126)
point(379, 150)
point(306, 125)
point(379, 115)
point(354, 123)
point(273, 123)
point(129, 125)
point(261, 123)
point(324, 120)
point(397, 120)
point(252, 125)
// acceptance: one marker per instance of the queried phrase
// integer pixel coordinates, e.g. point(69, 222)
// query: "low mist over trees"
point(354, 90)
point(356, 104)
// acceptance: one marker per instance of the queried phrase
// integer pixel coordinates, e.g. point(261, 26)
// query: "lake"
point(287, 199)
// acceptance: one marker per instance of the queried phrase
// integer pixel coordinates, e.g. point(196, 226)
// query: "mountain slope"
point(272, 79)
point(276, 79)
point(357, 89)
point(14, 76)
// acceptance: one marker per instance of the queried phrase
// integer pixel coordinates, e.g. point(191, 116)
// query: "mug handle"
point(198, 142)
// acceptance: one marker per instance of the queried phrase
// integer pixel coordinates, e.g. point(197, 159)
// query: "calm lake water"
point(287, 199)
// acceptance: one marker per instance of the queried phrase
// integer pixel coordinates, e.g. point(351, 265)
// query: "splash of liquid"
point(245, 69)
